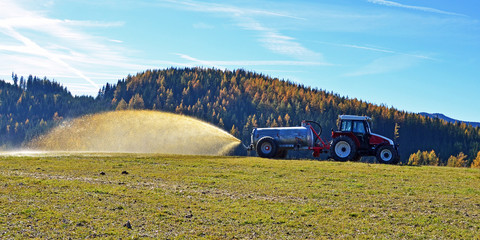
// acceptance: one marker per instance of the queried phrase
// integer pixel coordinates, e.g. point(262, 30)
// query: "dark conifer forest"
point(236, 101)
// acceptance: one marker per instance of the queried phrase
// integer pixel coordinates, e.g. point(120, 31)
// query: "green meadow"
point(132, 196)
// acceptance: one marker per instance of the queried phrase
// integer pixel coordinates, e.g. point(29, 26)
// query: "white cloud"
point(42, 46)
point(270, 38)
point(33, 48)
point(287, 46)
point(419, 8)
point(378, 49)
point(222, 8)
point(221, 64)
point(91, 23)
point(384, 65)
point(390, 51)
point(115, 40)
point(47, 24)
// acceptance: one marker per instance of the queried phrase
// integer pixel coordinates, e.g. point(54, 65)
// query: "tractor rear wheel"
point(387, 154)
point(343, 149)
point(266, 147)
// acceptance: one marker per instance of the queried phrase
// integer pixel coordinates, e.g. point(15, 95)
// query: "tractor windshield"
point(346, 126)
point(358, 127)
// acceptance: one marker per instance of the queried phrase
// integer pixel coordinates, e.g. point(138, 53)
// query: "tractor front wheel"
point(266, 147)
point(343, 149)
point(387, 154)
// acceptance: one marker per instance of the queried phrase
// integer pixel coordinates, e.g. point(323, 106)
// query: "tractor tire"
point(281, 154)
point(343, 149)
point(387, 154)
point(266, 147)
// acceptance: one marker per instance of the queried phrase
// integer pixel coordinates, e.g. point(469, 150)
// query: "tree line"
point(239, 100)
point(33, 105)
point(430, 158)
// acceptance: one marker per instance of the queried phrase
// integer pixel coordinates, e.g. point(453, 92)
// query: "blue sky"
point(412, 55)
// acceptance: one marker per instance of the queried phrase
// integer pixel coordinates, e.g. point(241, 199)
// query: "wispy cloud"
point(223, 8)
point(30, 47)
point(247, 19)
point(115, 40)
point(419, 8)
point(379, 49)
point(222, 64)
point(61, 48)
point(384, 65)
point(277, 42)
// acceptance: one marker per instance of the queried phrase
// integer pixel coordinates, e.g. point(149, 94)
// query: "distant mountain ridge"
point(448, 119)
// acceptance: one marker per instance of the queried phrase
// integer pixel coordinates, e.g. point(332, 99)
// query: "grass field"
point(176, 197)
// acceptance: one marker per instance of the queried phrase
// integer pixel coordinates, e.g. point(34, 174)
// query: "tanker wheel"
point(387, 154)
point(343, 149)
point(266, 148)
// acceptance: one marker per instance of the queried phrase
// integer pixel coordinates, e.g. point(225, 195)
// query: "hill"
point(238, 101)
point(196, 197)
point(448, 119)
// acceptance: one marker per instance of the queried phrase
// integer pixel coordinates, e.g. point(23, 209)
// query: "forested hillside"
point(238, 101)
point(33, 105)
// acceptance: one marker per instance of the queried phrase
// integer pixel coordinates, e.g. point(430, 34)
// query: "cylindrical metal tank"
point(286, 137)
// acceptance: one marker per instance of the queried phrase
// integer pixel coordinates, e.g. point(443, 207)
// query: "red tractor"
point(353, 141)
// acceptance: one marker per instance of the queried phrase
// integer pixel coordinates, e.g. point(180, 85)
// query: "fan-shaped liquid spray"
point(139, 132)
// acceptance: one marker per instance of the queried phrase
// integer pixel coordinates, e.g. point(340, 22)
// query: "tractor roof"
point(353, 117)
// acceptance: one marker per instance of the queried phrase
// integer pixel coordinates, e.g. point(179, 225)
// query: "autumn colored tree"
point(122, 105)
point(433, 159)
point(136, 102)
point(423, 158)
point(234, 131)
point(396, 132)
point(457, 161)
point(476, 161)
